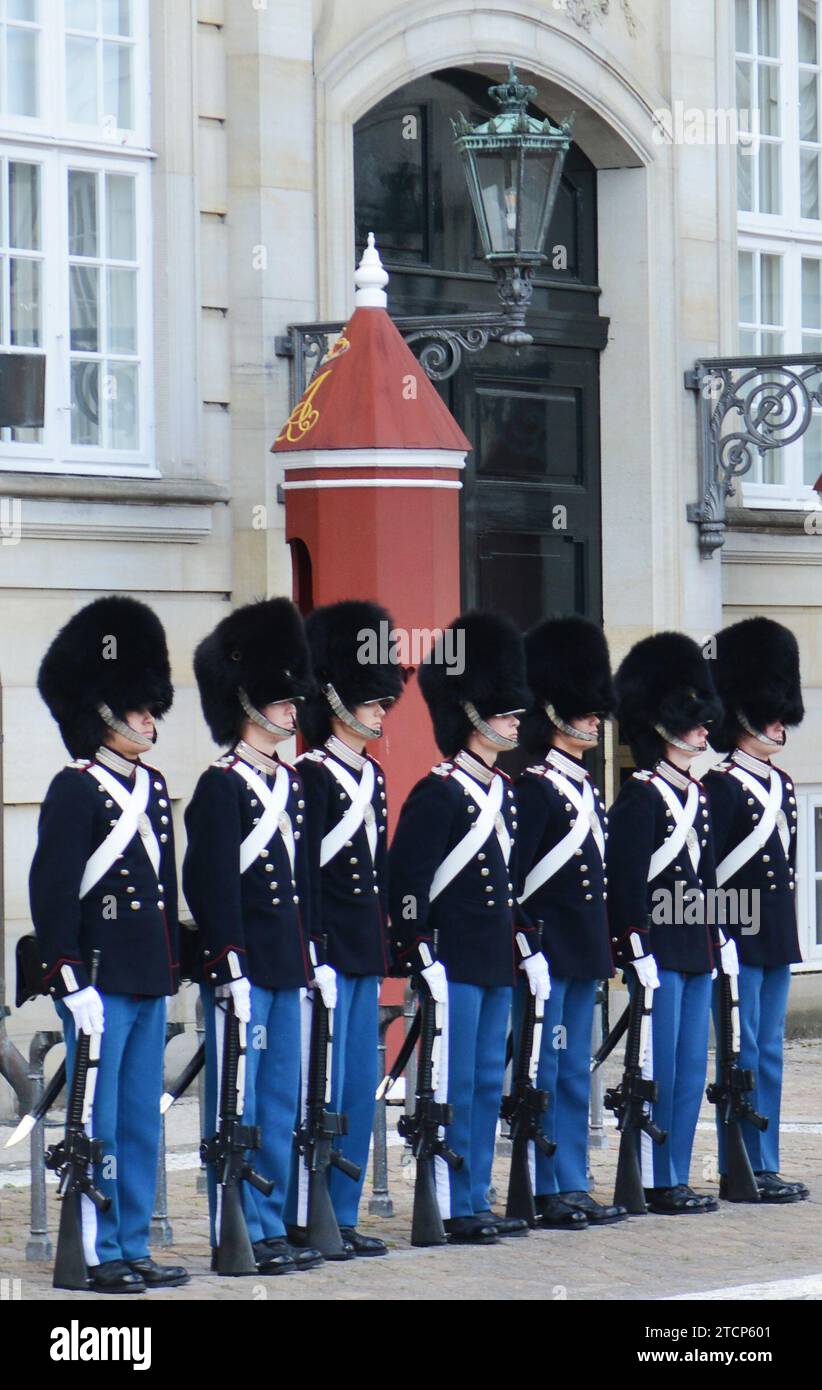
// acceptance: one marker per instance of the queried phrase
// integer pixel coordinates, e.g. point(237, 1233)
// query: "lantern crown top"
point(512, 96)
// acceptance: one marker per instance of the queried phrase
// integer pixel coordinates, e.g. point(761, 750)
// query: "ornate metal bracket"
point(747, 406)
point(441, 343)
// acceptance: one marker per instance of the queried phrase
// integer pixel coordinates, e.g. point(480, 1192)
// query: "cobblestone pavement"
point(653, 1257)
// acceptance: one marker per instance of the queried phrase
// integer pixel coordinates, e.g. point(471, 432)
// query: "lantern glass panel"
point(497, 179)
point(541, 169)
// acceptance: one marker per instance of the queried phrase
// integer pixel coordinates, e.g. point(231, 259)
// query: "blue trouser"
point(126, 1118)
point(354, 1082)
point(677, 1060)
point(565, 1073)
point(272, 1086)
point(763, 1001)
point(473, 1059)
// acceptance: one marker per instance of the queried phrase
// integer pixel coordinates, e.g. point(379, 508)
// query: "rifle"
point(421, 1129)
point(729, 1093)
point(523, 1109)
point(227, 1151)
point(71, 1157)
point(316, 1135)
point(628, 1101)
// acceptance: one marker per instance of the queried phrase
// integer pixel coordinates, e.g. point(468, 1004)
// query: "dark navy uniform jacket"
point(639, 824)
point(264, 914)
point(130, 915)
point(475, 916)
point(572, 904)
point(770, 874)
point(349, 894)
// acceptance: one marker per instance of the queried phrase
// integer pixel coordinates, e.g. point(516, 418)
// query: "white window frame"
point(58, 145)
point(790, 236)
point(807, 799)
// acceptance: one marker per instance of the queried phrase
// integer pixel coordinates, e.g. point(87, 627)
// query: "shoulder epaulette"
point(538, 769)
point(642, 776)
point(443, 769)
point(225, 760)
point(314, 755)
point(81, 763)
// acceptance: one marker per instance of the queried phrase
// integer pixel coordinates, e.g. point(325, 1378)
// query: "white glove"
point(646, 970)
point(325, 980)
point(87, 1010)
point(437, 981)
point(536, 968)
point(239, 991)
point(728, 957)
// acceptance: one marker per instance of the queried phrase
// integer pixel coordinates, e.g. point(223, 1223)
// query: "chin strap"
point(346, 716)
point(757, 733)
point(675, 742)
point(568, 729)
point(485, 729)
point(259, 719)
point(123, 729)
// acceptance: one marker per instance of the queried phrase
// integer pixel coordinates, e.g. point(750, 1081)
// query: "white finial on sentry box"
point(370, 277)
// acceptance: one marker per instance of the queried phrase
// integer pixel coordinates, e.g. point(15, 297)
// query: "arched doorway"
point(531, 542)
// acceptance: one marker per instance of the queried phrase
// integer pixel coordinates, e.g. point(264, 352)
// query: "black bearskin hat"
point(112, 652)
point(663, 680)
point(479, 658)
point(350, 649)
point(757, 672)
point(569, 667)
point(261, 649)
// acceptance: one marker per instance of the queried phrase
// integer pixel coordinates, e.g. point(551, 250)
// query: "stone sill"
point(768, 521)
point(75, 488)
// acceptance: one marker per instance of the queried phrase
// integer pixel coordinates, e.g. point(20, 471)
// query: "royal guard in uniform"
point(103, 879)
point(245, 877)
point(453, 867)
point(753, 809)
point(347, 813)
point(563, 887)
point(660, 866)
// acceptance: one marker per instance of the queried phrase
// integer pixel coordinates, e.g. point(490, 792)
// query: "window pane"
point(743, 86)
point(767, 21)
point(809, 182)
point(769, 185)
point(770, 289)
point(122, 311)
point(21, 71)
point(769, 99)
point(744, 179)
point(81, 14)
point(25, 303)
point(817, 825)
point(22, 9)
point(771, 343)
point(819, 912)
point(117, 85)
point(812, 450)
point(811, 342)
point(808, 111)
point(82, 213)
point(807, 33)
point(747, 343)
point(81, 80)
point(747, 306)
point(85, 395)
point(117, 17)
point(121, 391)
point(811, 292)
point(84, 286)
point(24, 206)
point(743, 26)
point(121, 240)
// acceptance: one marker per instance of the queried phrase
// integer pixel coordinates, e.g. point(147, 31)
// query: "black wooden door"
point(530, 542)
